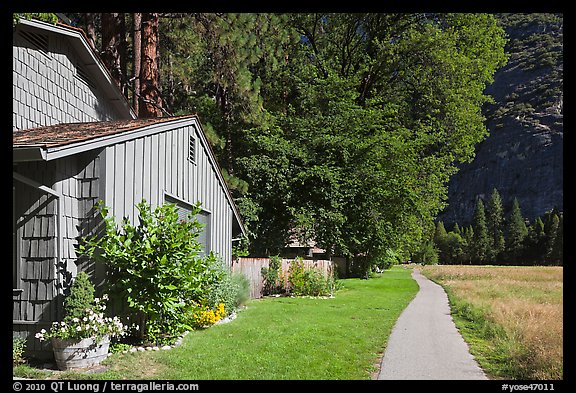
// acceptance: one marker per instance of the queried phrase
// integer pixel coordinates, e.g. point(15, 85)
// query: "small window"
point(192, 150)
point(203, 218)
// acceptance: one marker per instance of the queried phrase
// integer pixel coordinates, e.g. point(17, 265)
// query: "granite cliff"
point(523, 156)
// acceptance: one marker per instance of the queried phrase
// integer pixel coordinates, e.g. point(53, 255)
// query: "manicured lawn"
point(511, 317)
point(285, 338)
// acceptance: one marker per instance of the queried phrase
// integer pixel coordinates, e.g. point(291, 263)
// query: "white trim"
point(185, 202)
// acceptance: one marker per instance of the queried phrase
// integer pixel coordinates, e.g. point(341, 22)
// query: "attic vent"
point(84, 77)
point(38, 41)
point(192, 150)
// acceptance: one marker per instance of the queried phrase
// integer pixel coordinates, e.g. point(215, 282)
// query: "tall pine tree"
point(517, 232)
point(495, 225)
point(480, 240)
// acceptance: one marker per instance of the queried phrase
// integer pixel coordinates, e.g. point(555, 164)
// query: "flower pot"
point(79, 353)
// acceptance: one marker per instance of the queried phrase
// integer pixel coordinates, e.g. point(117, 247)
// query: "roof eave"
point(28, 153)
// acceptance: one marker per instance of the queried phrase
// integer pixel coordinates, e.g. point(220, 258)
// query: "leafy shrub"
point(18, 348)
point(81, 297)
point(308, 281)
point(155, 267)
point(273, 283)
point(231, 289)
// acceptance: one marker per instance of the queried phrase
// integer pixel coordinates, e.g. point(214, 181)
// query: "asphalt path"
point(425, 343)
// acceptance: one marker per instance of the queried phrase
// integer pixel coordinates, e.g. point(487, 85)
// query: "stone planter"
point(74, 353)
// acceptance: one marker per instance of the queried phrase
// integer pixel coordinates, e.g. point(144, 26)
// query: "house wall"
point(35, 279)
point(47, 86)
point(157, 165)
point(48, 229)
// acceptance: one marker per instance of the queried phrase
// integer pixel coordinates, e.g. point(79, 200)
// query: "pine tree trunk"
point(111, 38)
point(137, 53)
point(91, 29)
point(150, 102)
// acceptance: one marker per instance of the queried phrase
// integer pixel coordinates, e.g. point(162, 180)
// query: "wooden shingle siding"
point(36, 304)
point(48, 88)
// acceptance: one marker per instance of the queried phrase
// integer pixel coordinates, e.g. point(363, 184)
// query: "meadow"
point(511, 317)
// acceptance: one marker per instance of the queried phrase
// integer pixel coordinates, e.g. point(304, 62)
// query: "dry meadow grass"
point(526, 301)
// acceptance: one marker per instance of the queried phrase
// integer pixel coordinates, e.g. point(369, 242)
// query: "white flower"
point(75, 320)
point(78, 328)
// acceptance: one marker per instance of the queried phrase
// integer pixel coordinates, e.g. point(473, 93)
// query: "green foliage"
point(345, 127)
point(304, 281)
point(480, 239)
point(495, 226)
point(93, 324)
point(43, 16)
point(230, 289)
point(273, 283)
point(155, 266)
point(426, 254)
point(84, 315)
point(516, 233)
point(510, 240)
point(18, 348)
point(80, 298)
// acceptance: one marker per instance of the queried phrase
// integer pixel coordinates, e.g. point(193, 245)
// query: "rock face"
point(523, 156)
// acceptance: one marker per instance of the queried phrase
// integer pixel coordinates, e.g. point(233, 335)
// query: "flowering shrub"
point(93, 325)
point(204, 316)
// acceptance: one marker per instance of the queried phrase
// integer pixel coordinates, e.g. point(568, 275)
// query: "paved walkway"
point(425, 343)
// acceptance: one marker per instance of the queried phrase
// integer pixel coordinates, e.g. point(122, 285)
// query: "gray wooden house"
point(76, 141)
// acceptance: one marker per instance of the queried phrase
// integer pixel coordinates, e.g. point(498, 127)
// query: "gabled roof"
point(61, 140)
point(59, 135)
point(89, 59)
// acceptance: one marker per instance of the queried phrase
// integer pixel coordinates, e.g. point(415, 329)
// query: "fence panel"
point(252, 269)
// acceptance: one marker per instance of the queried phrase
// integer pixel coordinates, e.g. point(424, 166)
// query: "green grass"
point(285, 338)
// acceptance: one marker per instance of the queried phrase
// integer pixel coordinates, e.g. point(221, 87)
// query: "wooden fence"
point(252, 269)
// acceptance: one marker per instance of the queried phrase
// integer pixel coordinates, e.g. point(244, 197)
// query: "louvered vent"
point(38, 41)
point(192, 150)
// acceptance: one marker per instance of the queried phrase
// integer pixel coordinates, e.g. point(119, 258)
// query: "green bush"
point(18, 348)
point(231, 289)
point(156, 267)
point(273, 283)
point(81, 297)
point(308, 281)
